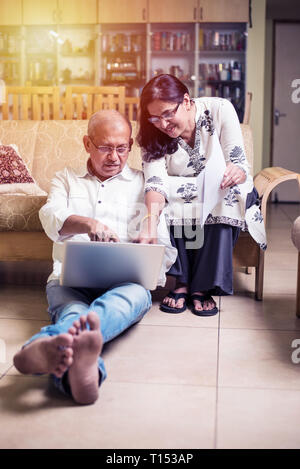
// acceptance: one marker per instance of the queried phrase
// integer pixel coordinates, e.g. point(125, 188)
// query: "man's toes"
point(76, 326)
point(83, 321)
point(67, 357)
point(67, 361)
point(72, 330)
point(94, 321)
point(60, 371)
point(64, 341)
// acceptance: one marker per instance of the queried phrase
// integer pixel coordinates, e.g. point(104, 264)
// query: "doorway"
point(286, 107)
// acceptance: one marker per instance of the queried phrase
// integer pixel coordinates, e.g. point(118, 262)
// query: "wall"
point(268, 95)
point(255, 80)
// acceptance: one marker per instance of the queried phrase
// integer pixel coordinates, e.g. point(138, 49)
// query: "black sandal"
point(176, 296)
point(202, 299)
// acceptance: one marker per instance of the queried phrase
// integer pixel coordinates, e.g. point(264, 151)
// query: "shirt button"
point(102, 185)
point(99, 201)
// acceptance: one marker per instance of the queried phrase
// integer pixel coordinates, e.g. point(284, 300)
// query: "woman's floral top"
point(175, 176)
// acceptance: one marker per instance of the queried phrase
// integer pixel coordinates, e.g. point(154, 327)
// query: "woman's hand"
point(232, 176)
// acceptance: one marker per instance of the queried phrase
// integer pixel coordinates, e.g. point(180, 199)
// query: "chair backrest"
point(132, 108)
point(248, 143)
point(30, 103)
point(82, 101)
point(247, 112)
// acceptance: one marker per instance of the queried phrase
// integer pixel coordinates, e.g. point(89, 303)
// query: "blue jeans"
point(118, 308)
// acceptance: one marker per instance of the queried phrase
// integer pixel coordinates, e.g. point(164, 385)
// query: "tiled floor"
point(174, 381)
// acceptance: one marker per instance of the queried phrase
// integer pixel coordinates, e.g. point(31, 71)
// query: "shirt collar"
point(127, 173)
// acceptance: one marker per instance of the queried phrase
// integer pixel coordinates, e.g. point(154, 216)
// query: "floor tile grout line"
point(25, 319)
point(258, 329)
point(192, 326)
point(217, 378)
point(113, 381)
point(258, 388)
point(5, 373)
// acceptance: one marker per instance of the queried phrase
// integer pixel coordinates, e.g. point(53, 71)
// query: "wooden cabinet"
point(59, 12)
point(11, 12)
point(80, 12)
point(122, 11)
point(169, 11)
point(223, 11)
point(42, 12)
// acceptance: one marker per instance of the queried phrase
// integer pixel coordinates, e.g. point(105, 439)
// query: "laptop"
point(103, 265)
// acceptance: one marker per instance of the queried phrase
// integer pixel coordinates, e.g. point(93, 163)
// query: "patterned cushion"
point(20, 212)
point(12, 167)
point(23, 134)
point(14, 175)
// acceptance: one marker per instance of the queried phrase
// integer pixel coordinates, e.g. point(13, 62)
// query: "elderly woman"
point(179, 136)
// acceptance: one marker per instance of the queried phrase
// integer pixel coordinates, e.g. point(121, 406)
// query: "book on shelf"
point(221, 41)
point(121, 42)
point(171, 41)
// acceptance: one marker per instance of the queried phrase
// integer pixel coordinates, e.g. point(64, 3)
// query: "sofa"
point(48, 146)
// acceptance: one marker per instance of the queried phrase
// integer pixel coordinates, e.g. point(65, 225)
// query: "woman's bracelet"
point(148, 216)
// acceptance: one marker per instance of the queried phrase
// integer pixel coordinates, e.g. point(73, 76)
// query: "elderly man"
point(98, 204)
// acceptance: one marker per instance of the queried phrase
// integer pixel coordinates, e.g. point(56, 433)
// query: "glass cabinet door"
point(222, 62)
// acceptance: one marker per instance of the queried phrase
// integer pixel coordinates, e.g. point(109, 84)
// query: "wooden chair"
point(246, 252)
point(82, 101)
point(132, 108)
point(295, 235)
point(247, 112)
point(30, 103)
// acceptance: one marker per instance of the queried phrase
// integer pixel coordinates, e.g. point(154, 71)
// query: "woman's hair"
point(154, 142)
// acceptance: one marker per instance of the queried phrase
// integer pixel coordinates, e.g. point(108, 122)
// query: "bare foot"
point(46, 355)
point(83, 375)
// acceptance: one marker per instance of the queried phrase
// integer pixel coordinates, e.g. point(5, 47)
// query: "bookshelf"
point(123, 55)
point(210, 58)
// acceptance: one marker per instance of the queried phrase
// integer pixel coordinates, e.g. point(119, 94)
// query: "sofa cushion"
point(14, 175)
point(59, 144)
point(23, 134)
point(20, 212)
point(12, 167)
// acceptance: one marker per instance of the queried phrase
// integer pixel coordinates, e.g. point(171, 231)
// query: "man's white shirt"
point(117, 202)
